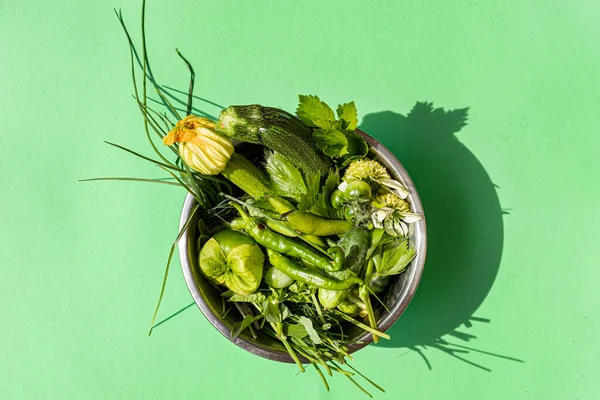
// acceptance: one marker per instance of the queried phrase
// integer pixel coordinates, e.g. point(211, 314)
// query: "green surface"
point(512, 269)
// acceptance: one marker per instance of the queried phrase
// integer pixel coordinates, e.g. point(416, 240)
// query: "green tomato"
point(350, 213)
point(233, 259)
point(338, 198)
point(358, 190)
point(348, 307)
point(331, 298)
point(277, 279)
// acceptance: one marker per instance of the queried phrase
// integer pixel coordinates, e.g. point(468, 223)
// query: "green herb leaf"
point(357, 149)
point(394, 258)
point(332, 142)
point(284, 312)
point(239, 327)
point(257, 297)
point(312, 333)
point(322, 205)
point(297, 330)
point(286, 180)
point(315, 113)
point(271, 312)
point(348, 115)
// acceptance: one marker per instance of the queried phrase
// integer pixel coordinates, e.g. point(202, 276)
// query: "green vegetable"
point(378, 283)
point(358, 190)
point(286, 180)
point(245, 175)
point(394, 257)
point(277, 279)
point(355, 244)
point(232, 258)
point(307, 276)
point(274, 241)
point(336, 138)
point(338, 198)
point(348, 307)
point(309, 223)
point(331, 298)
point(277, 130)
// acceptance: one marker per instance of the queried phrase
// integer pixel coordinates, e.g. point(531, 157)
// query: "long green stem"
point(171, 252)
point(279, 330)
point(363, 326)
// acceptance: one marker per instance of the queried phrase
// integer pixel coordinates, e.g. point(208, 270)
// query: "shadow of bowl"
point(465, 230)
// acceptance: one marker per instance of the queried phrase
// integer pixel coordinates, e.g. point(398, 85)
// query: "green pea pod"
point(282, 244)
point(308, 223)
point(307, 276)
point(233, 259)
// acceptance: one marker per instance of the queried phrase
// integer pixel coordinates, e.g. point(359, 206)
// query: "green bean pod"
point(293, 270)
point(282, 244)
point(308, 223)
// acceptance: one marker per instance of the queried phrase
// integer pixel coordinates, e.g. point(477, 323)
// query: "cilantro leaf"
point(348, 115)
point(333, 143)
point(315, 113)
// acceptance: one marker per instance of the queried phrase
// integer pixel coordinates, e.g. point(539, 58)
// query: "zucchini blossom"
point(200, 147)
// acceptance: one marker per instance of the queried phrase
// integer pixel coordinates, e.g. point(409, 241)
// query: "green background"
point(511, 198)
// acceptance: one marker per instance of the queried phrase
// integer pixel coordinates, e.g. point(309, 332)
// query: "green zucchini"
point(277, 130)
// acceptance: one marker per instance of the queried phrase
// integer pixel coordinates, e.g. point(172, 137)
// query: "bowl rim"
point(415, 269)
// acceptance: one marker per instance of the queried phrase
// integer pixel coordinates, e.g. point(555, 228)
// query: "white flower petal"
point(389, 227)
point(395, 187)
point(410, 217)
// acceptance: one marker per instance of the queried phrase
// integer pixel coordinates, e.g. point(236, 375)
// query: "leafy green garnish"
point(256, 297)
point(286, 180)
point(322, 205)
point(297, 330)
point(348, 115)
point(394, 257)
point(333, 142)
point(312, 333)
point(335, 137)
point(315, 113)
point(239, 327)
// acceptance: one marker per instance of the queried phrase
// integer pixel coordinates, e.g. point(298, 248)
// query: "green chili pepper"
point(306, 222)
point(282, 244)
point(307, 276)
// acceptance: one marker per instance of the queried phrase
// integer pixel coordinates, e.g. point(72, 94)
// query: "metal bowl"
point(401, 290)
